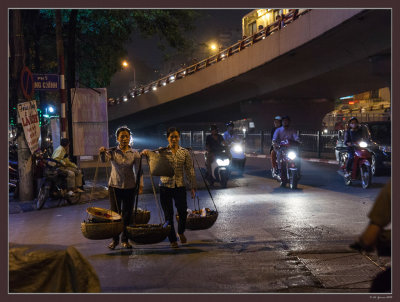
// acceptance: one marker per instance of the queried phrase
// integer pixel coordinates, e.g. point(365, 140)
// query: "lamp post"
point(125, 64)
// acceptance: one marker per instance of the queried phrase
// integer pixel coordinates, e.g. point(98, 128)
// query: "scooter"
point(361, 169)
point(238, 157)
point(290, 164)
point(54, 183)
point(220, 169)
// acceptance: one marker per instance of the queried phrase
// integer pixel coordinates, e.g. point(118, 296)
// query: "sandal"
point(126, 245)
point(112, 245)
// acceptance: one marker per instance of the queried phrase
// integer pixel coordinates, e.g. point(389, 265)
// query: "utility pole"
point(61, 67)
point(25, 170)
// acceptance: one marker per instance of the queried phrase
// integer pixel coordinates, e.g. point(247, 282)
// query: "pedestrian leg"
point(168, 209)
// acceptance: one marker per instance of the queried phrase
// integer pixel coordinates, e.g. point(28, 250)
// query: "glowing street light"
point(213, 46)
point(125, 64)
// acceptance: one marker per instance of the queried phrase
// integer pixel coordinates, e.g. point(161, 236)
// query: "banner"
point(89, 120)
point(30, 122)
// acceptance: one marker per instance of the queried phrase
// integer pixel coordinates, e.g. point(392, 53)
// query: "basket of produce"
point(140, 216)
point(148, 233)
point(102, 215)
point(101, 230)
point(200, 219)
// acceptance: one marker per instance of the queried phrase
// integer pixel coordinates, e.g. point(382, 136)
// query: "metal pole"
point(63, 91)
point(319, 143)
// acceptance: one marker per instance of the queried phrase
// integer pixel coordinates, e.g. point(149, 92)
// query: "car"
point(379, 144)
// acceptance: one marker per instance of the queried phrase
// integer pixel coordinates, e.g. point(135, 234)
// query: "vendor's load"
point(101, 224)
point(200, 219)
point(148, 233)
point(141, 216)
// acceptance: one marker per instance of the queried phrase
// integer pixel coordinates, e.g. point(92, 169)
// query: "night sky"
point(146, 57)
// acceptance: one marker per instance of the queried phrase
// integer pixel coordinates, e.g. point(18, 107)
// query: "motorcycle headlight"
point(363, 144)
point(223, 162)
point(292, 155)
point(237, 148)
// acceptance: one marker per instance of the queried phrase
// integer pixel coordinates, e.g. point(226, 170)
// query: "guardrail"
point(222, 55)
point(320, 144)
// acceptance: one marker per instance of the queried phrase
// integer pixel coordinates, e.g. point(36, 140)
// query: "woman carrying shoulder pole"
point(173, 188)
point(122, 182)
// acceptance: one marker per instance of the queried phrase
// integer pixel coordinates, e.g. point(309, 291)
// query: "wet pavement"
point(266, 239)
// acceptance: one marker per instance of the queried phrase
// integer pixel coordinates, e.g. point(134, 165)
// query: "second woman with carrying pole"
point(173, 187)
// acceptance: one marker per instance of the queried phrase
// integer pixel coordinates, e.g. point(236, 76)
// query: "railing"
point(317, 143)
point(222, 55)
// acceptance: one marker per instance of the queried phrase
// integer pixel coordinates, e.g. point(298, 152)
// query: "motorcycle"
point(53, 184)
point(290, 164)
point(238, 157)
point(361, 169)
point(220, 169)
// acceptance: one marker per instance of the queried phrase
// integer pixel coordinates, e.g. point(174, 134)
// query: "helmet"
point(230, 124)
point(213, 127)
point(278, 118)
point(285, 117)
point(352, 119)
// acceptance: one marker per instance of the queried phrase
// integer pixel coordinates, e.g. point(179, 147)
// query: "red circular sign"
point(27, 82)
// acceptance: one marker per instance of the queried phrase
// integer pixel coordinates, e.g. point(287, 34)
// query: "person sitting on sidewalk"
point(74, 178)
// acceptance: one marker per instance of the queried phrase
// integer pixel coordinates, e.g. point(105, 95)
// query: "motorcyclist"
point(353, 135)
point(215, 144)
point(277, 124)
point(284, 133)
point(229, 135)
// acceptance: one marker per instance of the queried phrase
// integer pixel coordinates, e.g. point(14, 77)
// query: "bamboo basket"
point(101, 230)
point(141, 217)
point(147, 233)
point(199, 222)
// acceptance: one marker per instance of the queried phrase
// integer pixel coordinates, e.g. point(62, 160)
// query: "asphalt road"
point(267, 239)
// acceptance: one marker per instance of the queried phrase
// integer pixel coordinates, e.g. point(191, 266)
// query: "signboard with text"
point(30, 121)
point(46, 81)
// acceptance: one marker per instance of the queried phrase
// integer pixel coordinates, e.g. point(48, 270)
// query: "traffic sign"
point(27, 83)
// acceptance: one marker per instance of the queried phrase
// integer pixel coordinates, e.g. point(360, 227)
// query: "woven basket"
point(101, 230)
point(141, 217)
point(148, 233)
point(199, 222)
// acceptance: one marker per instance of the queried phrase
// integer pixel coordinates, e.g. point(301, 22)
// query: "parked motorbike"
point(53, 184)
point(238, 157)
point(361, 169)
point(220, 169)
point(290, 164)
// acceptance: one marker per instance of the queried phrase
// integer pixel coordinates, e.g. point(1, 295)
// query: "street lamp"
point(125, 64)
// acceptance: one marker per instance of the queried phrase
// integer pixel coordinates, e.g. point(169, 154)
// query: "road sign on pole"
point(49, 82)
point(27, 83)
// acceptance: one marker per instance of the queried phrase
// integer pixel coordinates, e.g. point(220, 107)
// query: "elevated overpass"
point(297, 70)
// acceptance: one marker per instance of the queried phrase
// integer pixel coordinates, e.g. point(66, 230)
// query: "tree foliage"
point(102, 36)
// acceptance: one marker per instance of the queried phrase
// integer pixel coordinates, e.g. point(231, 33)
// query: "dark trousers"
point(350, 159)
point(179, 195)
point(121, 201)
